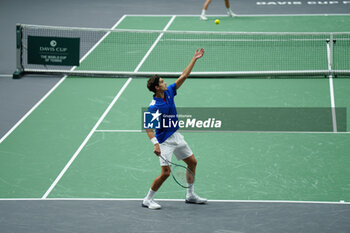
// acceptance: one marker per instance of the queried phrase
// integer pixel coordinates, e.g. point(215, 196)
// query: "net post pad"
point(17, 74)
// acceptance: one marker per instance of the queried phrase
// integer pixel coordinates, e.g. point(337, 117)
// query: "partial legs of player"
point(191, 196)
point(158, 181)
point(206, 5)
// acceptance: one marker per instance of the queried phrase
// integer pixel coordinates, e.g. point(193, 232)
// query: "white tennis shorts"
point(176, 145)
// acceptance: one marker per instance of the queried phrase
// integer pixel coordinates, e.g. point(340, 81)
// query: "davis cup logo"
point(53, 43)
point(151, 120)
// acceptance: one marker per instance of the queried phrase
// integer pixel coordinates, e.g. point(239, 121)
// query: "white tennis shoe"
point(203, 17)
point(230, 13)
point(151, 204)
point(195, 199)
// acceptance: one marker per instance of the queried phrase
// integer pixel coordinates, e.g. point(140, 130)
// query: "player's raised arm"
point(198, 54)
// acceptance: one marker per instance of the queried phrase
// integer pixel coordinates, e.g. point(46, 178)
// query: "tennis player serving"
point(168, 141)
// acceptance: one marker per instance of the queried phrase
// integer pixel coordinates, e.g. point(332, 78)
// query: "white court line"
point(118, 131)
point(177, 200)
point(244, 15)
point(59, 82)
point(101, 118)
point(241, 40)
point(334, 117)
point(219, 131)
point(5, 75)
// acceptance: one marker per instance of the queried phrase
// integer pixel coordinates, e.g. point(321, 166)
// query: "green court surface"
point(69, 139)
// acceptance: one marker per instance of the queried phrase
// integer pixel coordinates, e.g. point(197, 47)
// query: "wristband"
point(154, 141)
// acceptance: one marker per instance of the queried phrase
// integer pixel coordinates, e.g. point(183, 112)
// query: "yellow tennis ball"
point(217, 21)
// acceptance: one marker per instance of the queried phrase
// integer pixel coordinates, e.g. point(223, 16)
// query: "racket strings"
point(182, 175)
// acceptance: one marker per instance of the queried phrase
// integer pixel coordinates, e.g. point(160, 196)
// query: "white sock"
point(203, 12)
point(190, 190)
point(150, 194)
point(228, 10)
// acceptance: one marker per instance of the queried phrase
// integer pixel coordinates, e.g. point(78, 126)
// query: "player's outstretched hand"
point(199, 53)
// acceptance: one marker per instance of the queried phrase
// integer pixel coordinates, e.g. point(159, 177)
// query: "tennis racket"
point(181, 174)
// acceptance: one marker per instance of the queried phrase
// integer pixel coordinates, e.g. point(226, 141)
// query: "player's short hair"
point(153, 82)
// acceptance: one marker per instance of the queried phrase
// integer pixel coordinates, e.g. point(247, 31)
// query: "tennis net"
point(119, 52)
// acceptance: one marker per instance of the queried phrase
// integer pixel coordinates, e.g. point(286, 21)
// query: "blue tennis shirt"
point(167, 108)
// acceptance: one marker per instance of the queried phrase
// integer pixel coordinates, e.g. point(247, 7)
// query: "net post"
point(331, 48)
point(330, 43)
point(19, 68)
